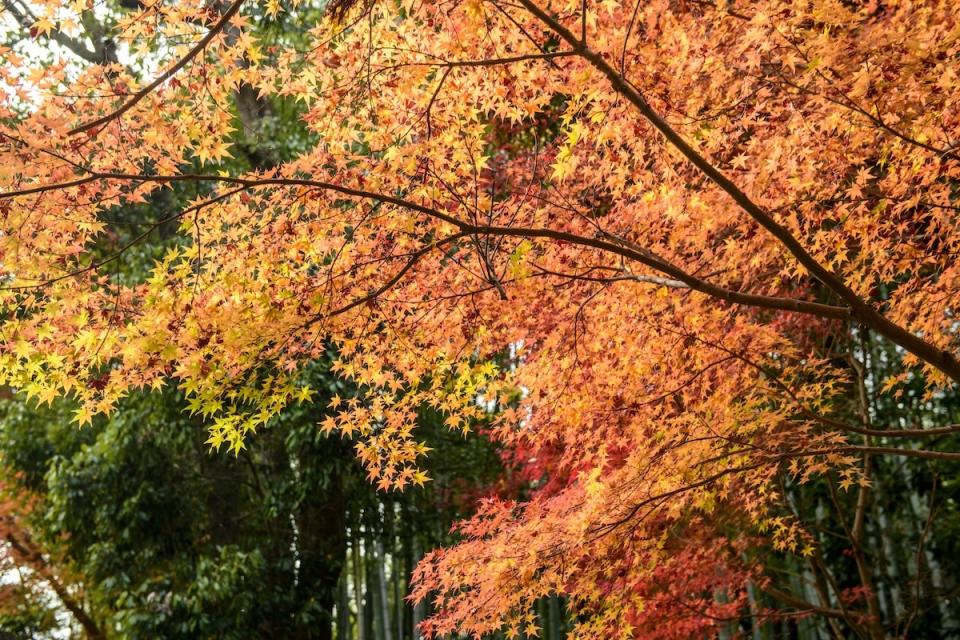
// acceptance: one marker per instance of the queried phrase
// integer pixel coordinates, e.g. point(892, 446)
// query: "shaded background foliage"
point(166, 539)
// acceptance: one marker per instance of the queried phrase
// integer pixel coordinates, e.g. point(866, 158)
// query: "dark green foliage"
point(171, 540)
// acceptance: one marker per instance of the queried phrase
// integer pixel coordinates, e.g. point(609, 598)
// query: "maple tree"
point(680, 218)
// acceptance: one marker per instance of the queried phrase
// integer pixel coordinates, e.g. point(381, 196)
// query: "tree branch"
point(635, 254)
point(34, 559)
point(26, 20)
point(163, 77)
point(860, 309)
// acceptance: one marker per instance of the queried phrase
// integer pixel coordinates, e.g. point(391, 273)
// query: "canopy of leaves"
point(686, 221)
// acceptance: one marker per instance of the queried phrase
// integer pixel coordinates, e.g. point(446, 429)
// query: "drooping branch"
point(632, 253)
point(861, 310)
